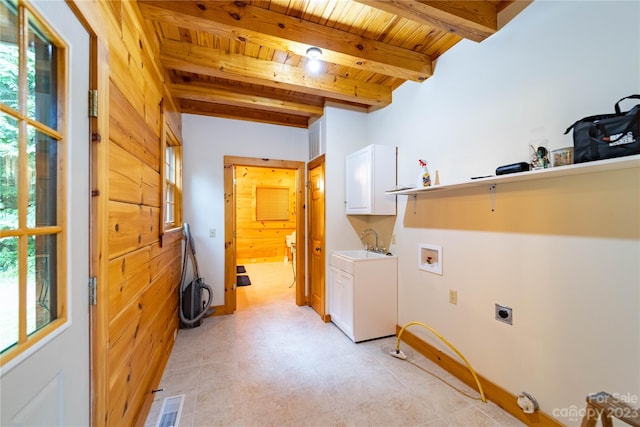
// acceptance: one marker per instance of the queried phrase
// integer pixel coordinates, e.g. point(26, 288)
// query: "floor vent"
point(170, 412)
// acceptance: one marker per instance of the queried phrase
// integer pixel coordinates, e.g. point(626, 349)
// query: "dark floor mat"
point(240, 269)
point(243, 281)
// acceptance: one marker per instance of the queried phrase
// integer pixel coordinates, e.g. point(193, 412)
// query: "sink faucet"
point(364, 234)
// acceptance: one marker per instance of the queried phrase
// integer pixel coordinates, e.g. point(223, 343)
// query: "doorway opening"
point(265, 231)
point(264, 228)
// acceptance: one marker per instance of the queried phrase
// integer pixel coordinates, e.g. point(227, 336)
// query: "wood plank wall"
point(262, 241)
point(141, 305)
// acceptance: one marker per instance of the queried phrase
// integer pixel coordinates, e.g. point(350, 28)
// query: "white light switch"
point(212, 232)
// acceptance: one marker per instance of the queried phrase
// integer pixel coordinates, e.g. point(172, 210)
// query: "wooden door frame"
point(99, 245)
point(98, 212)
point(318, 161)
point(230, 221)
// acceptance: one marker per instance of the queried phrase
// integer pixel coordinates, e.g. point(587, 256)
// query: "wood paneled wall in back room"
point(256, 240)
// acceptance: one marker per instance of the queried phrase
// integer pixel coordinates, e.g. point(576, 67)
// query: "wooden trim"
point(177, 195)
point(34, 338)
point(171, 112)
point(229, 239)
point(163, 177)
point(301, 276)
point(169, 139)
point(315, 162)
point(99, 243)
point(265, 163)
point(33, 123)
point(40, 231)
point(220, 310)
point(492, 391)
point(318, 161)
point(23, 179)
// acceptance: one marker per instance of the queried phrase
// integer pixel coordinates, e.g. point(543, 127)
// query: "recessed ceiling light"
point(314, 53)
point(313, 59)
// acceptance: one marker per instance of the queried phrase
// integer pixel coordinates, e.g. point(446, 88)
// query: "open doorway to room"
point(264, 230)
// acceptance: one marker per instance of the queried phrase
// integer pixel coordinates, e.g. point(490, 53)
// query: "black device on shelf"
point(512, 168)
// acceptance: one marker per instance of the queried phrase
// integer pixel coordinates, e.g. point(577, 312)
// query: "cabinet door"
point(335, 299)
point(358, 181)
point(347, 302)
point(383, 178)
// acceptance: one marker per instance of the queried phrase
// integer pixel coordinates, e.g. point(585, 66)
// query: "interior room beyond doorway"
point(265, 215)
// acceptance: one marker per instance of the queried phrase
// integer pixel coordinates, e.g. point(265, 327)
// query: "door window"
point(32, 273)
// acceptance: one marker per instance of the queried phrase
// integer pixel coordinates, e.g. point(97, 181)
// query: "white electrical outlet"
point(453, 296)
point(212, 232)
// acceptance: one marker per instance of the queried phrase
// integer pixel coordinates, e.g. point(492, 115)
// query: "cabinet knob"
point(318, 249)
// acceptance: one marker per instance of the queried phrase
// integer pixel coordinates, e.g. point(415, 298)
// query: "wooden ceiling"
point(246, 59)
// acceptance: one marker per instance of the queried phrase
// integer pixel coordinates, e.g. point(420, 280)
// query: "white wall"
point(346, 132)
point(563, 253)
point(206, 141)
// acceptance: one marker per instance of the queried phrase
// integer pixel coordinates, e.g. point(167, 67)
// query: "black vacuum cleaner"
point(193, 308)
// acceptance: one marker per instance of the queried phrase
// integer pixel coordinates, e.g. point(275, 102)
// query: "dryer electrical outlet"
point(504, 314)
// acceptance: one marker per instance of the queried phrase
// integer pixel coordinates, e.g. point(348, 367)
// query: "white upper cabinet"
point(370, 172)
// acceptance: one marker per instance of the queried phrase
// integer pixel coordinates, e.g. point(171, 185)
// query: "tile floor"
point(273, 363)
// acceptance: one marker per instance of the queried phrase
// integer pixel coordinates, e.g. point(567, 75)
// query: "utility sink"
point(344, 260)
point(357, 254)
point(363, 293)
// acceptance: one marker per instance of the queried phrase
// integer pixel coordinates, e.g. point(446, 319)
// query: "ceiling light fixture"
point(313, 59)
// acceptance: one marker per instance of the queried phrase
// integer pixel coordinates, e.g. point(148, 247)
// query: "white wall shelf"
point(628, 162)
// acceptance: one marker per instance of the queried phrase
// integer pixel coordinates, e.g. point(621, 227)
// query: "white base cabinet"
point(341, 288)
point(363, 299)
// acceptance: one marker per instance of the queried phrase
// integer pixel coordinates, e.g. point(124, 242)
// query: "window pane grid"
point(169, 216)
point(29, 167)
point(9, 292)
point(170, 185)
point(9, 50)
point(42, 70)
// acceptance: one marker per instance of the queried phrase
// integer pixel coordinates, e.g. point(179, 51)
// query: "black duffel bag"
point(606, 136)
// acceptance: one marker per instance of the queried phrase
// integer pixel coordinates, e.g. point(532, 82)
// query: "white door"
point(48, 384)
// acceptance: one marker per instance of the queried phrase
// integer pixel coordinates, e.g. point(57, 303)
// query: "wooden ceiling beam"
point(474, 20)
point(240, 113)
point(218, 95)
point(217, 63)
point(243, 22)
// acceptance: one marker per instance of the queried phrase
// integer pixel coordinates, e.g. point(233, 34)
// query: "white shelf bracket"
point(492, 197)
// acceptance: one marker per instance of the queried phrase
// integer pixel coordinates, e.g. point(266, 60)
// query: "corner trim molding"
point(493, 392)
